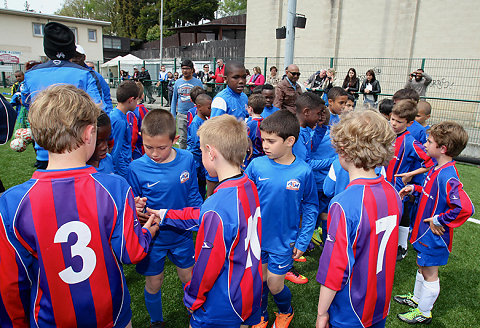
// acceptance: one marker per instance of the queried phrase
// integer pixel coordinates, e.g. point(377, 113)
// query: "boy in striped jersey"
point(443, 206)
point(357, 265)
point(65, 233)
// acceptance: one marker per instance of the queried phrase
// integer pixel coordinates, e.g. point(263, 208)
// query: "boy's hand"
point(159, 214)
point(140, 203)
point(152, 225)
point(297, 253)
point(407, 190)
point(322, 321)
point(406, 177)
point(438, 230)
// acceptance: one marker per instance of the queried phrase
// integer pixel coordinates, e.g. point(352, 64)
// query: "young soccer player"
point(385, 108)
point(135, 119)
point(357, 265)
point(232, 100)
point(65, 233)
point(166, 177)
point(101, 159)
point(226, 285)
point(350, 105)
point(268, 91)
point(337, 99)
point(256, 104)
point(287, 195)
point(443, 206)
point(424, 110)
point(193, 111)
point(409, 155)
point(181, 101)
point(203, 104)
point(416, 129)
point(127, 94)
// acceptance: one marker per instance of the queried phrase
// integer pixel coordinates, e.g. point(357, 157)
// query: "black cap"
point(58, 41)
point(186, 62)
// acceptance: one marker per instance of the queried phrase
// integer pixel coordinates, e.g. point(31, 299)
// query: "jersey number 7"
point(386, 224)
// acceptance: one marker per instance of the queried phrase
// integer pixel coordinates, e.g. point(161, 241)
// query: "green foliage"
point(232, 7)
point(182, 12)
point(105, 10)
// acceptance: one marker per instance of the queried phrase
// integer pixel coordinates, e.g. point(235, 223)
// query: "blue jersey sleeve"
point(194, 198)
point(132, 180)
point(119, 129)
point(329, 183)
point(173, 104)
point(309, 213)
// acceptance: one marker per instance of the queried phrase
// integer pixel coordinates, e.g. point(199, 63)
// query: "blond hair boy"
point(67, 231)
point(226, 284)
point(361, 246)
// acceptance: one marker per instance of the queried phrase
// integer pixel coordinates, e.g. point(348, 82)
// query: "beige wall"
point(17, 35)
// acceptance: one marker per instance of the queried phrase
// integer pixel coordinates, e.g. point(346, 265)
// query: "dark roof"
point(238, 22)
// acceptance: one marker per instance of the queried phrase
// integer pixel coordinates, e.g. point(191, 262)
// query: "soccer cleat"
point(294, 276)
point(406, 299)
point(317, 236)
point(414, 316)
point(282, 320)
point(401, 253)
point(157, 324)
point(263, 323)
point(301, 259)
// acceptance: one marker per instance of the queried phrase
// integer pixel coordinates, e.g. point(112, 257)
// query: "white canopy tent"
point(126, 62)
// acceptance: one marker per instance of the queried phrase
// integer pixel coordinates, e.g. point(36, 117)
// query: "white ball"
point(18, 133)
point(18, 144)
point(27, 135)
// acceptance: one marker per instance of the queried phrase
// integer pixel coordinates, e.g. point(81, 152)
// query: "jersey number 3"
point(386, 224)
point(80, 248)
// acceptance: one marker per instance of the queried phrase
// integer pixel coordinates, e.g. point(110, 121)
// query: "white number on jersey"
point(386, 224)
point(252, 241)
point(80, 248)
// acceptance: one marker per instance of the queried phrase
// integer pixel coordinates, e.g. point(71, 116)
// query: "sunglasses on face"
point(294, 73)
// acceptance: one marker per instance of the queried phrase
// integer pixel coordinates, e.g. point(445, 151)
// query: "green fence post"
point(214, 64)
point(98, 66)
point(4, 80)
point(423, 63)
point(265, 67)
point(331, 62)
point(119, 76)
point(174, 65)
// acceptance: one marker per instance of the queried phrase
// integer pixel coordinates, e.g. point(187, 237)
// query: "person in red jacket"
point(219, 76)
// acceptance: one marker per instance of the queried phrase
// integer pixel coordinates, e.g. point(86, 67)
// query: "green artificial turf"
point(457, 305)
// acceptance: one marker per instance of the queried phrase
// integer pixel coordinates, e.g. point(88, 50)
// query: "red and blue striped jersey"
point(192, 112)
point(254, 134)
point(135, 119)
point(442, 197)
point(226, 285)
point(358, 260)
point(408, 153)
point(64, 236)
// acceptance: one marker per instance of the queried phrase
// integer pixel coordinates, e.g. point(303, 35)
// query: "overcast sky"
point(44, 6)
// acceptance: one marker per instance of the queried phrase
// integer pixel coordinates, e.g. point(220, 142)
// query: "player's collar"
point(366, 181)
point(63, 173)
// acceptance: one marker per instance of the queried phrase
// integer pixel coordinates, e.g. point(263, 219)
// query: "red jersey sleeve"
point(460, 207)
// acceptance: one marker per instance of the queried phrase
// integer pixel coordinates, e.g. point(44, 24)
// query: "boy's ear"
point(175, 139)
point(89, 135)
point(290, 141)
point(212, 152)
point(410, 123)
point(443, 149)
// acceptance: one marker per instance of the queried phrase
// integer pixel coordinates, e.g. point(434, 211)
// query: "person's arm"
point(209, 261)
point(94, 89)
point(8, 117)
point(219, 107)
point(15, 282)
point(309, 212)
point(460, 207)
point(355, 87)
point(376, 87)
point(260, 80)
point(173, 104)
point(420, 154)
point(279, 96)
point(329, 182)
point(362, 88)
point(325, 299)
point(428, 79)
point(193, 198)
point(130, 241)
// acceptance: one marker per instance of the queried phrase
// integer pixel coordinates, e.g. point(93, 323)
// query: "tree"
point(232, 7)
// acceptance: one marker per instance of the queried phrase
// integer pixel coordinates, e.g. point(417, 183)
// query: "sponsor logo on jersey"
point(207, 245)
point(330, 238)
point(293, 184)
point(262, 179)
point(184, 176)
point(283, 266)
point(150, 185)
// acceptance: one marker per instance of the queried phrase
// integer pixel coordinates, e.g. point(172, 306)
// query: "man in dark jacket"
point(7, 123)
point(146, 80)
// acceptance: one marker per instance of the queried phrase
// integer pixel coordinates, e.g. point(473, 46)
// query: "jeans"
point(148, 92)
point(372, 103)
point(182, 130)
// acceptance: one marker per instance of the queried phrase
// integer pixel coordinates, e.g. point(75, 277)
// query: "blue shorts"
point(427, 260)
point(253, 320)
point(380, 324)
point(323, 202)
point(182, 255)
point(278, 264)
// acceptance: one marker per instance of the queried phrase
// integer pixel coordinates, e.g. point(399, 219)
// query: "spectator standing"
point(146, 80)
point(205, 75)
point(135, 73)
point(162, 83)
point(273, 78)
point(257, 78)
point(288, 89)
point(370, 88)
point(330, 80)
point(172, 78)
point(316, 80)
point(419, 81)
point(351, 84)
point(219, 76)
point(181, 101)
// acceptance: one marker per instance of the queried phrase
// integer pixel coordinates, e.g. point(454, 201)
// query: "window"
point(92, 35)
point(74, 30)
point(116, 44)
point(110, 43)
point(38, 29)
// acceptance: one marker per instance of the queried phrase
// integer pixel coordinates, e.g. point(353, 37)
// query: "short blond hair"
point(364, 138)
point(227, 135)
point(451, 135)
point(59, 115)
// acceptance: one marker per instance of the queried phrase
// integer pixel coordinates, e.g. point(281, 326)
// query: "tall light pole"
point(160, 19)
point(290, 37)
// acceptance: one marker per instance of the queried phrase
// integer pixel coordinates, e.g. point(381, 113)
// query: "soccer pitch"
point(457, 306)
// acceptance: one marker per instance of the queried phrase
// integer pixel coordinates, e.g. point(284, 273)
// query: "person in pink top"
point(257, 78)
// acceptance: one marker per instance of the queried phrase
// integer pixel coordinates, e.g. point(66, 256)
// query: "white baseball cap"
point(80, 49)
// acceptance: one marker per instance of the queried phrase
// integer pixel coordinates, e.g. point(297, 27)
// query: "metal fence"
point(454, 92)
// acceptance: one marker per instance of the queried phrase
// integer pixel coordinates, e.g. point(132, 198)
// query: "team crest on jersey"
point(57, 62)
point(184, 176)
point(293, 184)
